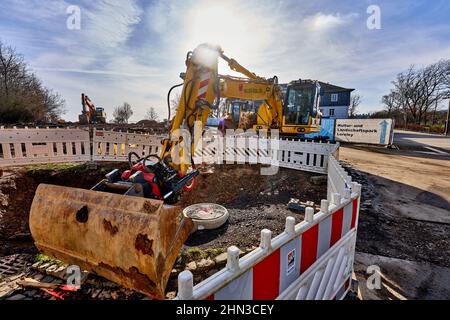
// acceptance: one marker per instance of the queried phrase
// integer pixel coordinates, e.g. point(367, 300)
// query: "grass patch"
point(46, 259)
point(56, 166)
point(214, 252)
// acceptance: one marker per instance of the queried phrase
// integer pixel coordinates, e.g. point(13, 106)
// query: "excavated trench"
point(254, 202)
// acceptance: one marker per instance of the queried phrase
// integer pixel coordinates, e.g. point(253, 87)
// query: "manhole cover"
point(206, 215)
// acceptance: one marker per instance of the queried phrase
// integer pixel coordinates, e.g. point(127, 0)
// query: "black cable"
point(168, 98)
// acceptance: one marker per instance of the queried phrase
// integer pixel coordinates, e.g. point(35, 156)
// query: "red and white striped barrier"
point(310, 260)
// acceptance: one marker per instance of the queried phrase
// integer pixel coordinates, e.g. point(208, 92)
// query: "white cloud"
point(326, 22)
point(127, 53)
point(110, 23)
point(34, 11)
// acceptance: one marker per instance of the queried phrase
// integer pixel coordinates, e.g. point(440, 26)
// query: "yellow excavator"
point(300, 111)
point(126, 227)
point(90, 113)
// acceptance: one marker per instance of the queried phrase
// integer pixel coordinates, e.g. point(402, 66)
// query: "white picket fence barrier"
point(338, 179)
point(324, 279)
point(292, 154)
point(115, 146)
point(30, 146)
point(34, 146)
point(310, 260)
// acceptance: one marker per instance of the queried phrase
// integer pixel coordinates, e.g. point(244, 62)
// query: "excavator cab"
point(239, 111)
point(301, 103)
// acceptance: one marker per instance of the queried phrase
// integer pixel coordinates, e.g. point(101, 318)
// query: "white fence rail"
point(293, 154)
point(34, 145)
point(310, 260)
point(30, 146)
point(338, 179)
point(115, 146)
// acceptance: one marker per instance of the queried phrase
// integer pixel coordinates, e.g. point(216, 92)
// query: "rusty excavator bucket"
point(133, 241)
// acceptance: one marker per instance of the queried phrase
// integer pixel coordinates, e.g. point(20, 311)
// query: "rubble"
point(191, 266)
point(319, 180)
point(205, 264)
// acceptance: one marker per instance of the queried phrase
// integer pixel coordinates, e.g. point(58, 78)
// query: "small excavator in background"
point(125, 228)
point(89, 113)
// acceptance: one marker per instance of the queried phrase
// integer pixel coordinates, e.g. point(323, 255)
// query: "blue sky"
point(134, 50)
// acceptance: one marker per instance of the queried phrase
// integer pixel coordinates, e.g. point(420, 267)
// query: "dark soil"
point(254, 202)
point(383, 231)
point(17, 188)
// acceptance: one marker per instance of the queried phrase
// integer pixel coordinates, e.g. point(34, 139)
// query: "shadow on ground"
point(410, 152)
point(395, 223)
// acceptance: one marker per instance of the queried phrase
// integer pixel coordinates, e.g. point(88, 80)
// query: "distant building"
point(334, 100)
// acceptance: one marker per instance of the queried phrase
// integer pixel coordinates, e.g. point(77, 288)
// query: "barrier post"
point(233, 259)
point(266, 237)
point(309, 214)
point(185, 285)
point(290, 226)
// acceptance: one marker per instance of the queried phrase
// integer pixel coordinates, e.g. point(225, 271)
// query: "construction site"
point(245, 189)
point(389, 233)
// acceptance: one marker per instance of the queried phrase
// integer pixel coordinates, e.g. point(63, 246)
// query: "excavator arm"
point(204, 86)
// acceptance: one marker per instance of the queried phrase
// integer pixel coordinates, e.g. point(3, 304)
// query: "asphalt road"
point(404, 225)
point(422, 142)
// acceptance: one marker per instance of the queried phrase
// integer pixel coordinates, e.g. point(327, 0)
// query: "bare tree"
point(122, 113)
point(174, 104)
point(389, 102)
point(152, 114)
point(355, 101)
point(23, 98)
point(432, 79)
point(417, 90)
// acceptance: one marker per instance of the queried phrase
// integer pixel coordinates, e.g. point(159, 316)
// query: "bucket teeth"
point(132, 241)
